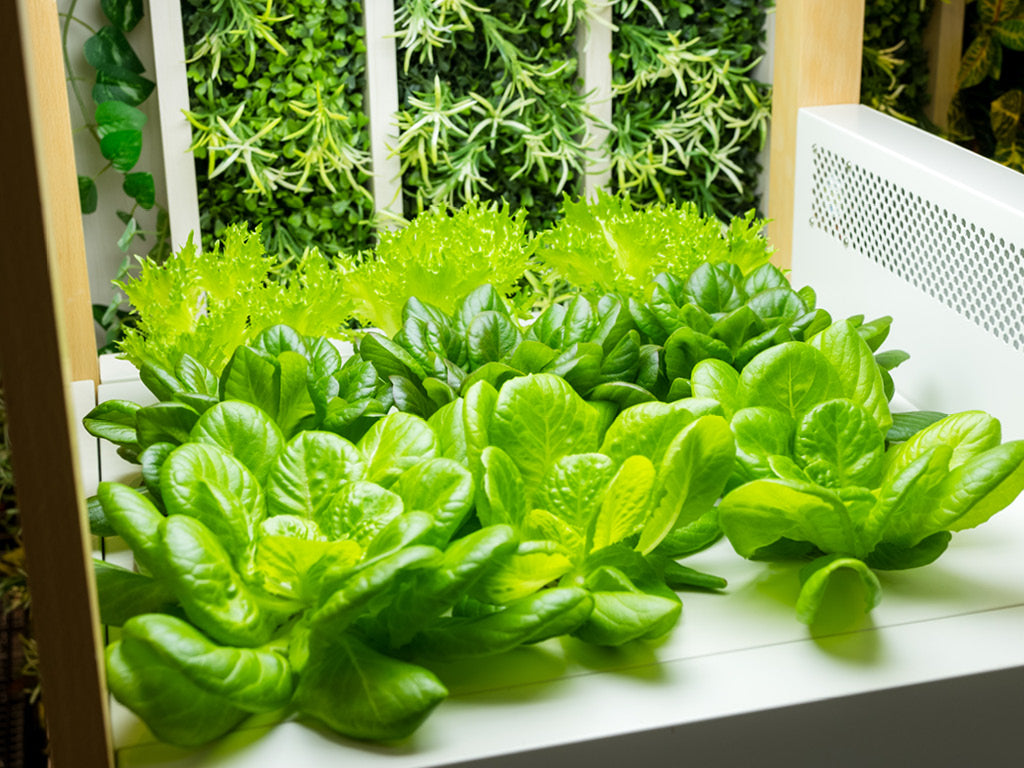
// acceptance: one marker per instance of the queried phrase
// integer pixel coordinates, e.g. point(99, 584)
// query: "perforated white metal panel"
point(892, 221)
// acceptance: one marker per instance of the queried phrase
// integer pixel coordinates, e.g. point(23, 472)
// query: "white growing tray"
point(933, 676)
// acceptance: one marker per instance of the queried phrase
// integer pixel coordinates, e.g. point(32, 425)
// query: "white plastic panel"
point(890, 220)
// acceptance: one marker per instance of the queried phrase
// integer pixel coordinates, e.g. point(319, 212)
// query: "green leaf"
point(123, 14)
point(198, 569)
point(530, 619)
point(791, 377)
point(347, 593)
point(305, 477)
point(976, 62)
point(646, 429)
point(118, 117)
point(718, 380)
point(1010, 32)
point(187, 689)
point(252, 378)
point(623, 613)
point(135, 520)
point(537, 419)
point(109, 52)
point(114, 420)
point(88, 195)
point(816, 576)
point(123, 594)
point(394, 444)
point(760, 433)
point(686, 347)
point(202, 481)
point(140, 187)
point(287, 564)
point(534, 565)
point(364, 694)
point(441, 487)
point(906, 425)
point(626, 502)
point(839, 444)
point(175, 709)
point(356, 510)
point(763, 512)
point(243, 431)
point(967, 433)
point(130, 229)
point(859, 375)
point(123, 86)
point(433, 592)
point(165, 423)
point(501, 497)
point(690, 478)
point(983, 485)
point(491, 337)
point(892, 557)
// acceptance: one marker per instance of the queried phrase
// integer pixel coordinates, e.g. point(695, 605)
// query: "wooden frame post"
point(818, 50)
point(42, 283)
point(944, 40)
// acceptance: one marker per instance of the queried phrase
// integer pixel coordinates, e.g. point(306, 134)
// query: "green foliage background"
point(276, 92)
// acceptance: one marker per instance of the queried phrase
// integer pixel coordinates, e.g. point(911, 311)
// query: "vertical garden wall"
point(276, 105)
point(492, 104)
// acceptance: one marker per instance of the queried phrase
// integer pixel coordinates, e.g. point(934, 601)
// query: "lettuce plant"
point(611, 243)
point(817, 480)
point(303, 573)
point(443, 254)
point(598, 505)
point(205, 304)
point(299, 382)
point(437, 356)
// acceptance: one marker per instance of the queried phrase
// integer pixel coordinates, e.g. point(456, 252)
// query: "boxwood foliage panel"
point(689, 120)
point(279, 131)
point(490, 103)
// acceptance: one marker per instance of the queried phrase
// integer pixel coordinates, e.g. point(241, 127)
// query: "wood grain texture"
point(818, 49)
point(42, 243)
point(943, 38)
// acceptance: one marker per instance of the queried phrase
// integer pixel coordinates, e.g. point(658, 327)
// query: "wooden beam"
point(43, 243)
point(944, 39)
point(818, 50)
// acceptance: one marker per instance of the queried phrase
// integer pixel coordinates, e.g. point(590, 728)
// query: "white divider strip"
point(382, 109)
point(175, 131)
point(594, 47)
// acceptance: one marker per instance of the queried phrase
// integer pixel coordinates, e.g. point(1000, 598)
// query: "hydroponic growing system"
point(885, 221)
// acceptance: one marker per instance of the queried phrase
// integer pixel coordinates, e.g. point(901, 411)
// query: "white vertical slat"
point(594, 47)
point(382, 109)
point(176, 133)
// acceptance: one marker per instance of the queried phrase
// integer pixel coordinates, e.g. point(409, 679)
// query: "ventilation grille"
point(955, 261)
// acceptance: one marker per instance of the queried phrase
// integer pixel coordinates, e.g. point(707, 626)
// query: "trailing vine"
point(110, 114)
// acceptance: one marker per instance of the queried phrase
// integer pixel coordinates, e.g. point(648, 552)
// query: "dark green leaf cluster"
point(987, 110)
point(279, 130)
point(689, 119)
point(894, 70)
point(489, 105)
point(299, 382)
